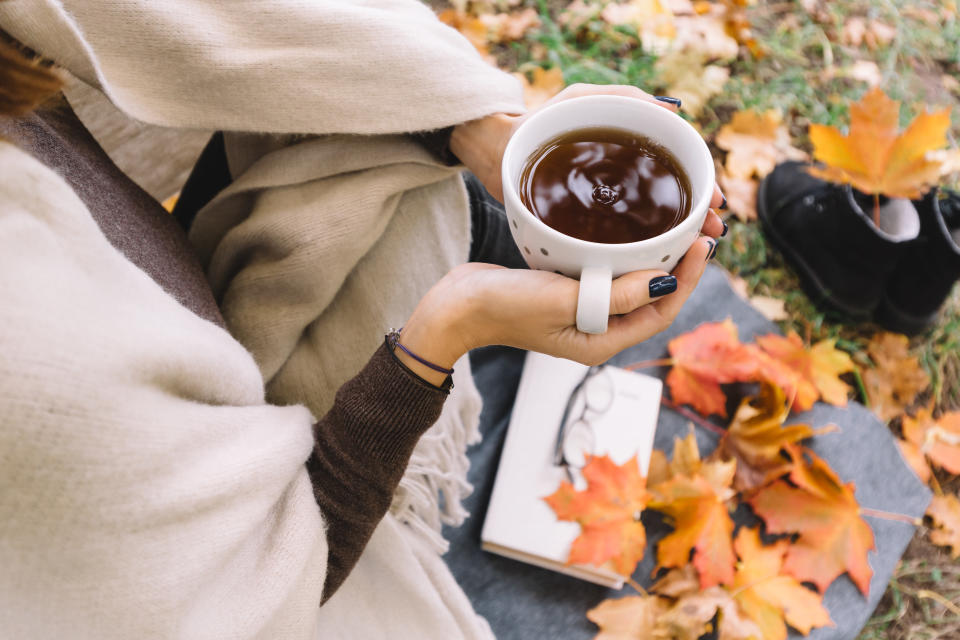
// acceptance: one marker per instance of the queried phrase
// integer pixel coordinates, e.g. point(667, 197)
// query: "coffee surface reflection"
point(605, 185)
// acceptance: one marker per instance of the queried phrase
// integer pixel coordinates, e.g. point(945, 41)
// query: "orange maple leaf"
point(914, 457)
point(832, 537)
point(608, 512)
point(695, 499)
point(945, 512)
point(768, 597)
point(938, 439)
point(705, 358)
point(816, 371)
point(875, 157)
point(756, 436)
point(897, 377)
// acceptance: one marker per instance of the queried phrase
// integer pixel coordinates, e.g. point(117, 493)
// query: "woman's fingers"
point(718, 201)
point(624, 331)
point(635, 289)
point(688, 274)
point(629, 91)
point(713, 225)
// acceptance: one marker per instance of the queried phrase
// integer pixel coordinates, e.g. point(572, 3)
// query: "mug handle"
point(593, 304)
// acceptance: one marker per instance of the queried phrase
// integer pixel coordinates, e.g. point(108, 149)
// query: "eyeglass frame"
point(559, 456)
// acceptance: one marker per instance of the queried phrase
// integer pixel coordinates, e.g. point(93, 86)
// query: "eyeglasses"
point(575, 438)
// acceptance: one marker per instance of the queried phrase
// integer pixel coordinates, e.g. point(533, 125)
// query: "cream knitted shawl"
point(322, 242)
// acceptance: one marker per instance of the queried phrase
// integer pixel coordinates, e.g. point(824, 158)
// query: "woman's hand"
point(480, 304)
point(479, 144)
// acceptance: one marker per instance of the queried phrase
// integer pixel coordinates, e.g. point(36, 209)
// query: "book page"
point(618, 420)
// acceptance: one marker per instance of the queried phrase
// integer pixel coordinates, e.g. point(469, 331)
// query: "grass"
point(797, 75)
point(793, 77)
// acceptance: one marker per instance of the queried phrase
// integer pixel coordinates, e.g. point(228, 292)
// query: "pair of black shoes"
point(897, 274)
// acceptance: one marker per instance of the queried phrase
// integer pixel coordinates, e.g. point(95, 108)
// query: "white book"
point(612, 412)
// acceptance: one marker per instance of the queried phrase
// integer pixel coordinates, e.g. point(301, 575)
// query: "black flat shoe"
point(928, 269)
point(825, 235)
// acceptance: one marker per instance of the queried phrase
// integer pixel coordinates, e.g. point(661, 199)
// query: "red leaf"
point(705, 358)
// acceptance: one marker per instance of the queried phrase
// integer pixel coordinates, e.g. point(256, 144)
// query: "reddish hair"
point(26, 81)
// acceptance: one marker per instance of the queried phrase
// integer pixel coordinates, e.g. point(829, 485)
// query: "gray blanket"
point(527, 603)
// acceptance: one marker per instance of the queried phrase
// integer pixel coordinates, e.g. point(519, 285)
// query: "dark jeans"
point(490, 239)
point(523, 602)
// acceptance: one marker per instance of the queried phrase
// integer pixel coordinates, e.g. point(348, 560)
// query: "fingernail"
point(713, 251)
point(674, 101)
point(726, 228)
point(723, 205)
point(662, 285)
point(713, 248)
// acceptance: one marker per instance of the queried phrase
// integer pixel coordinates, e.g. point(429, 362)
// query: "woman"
point(149, 489)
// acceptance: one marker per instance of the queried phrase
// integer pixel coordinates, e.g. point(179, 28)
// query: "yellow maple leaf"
point(755, 143)
point(693, 615)
point(473, 28)
point(546, 83)
point(652, 19)
point(687, 77)
point(875, 157)
point(705, 35)
point(756, 436)
point(897, 377)
point(694, 500)
point(769, 597)
point(741, 194)
point(630, 618)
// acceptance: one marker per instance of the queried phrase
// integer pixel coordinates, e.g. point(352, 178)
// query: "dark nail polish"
point(662, 285)
point(677, 102)
point(713, 247)
point(713, 251)
point(726, 228)
point(723, 205)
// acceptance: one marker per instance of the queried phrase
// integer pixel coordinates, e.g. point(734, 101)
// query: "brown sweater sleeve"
point(362, 448)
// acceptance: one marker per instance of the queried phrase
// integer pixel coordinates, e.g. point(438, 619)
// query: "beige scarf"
point(314, 251)
point(323, 242)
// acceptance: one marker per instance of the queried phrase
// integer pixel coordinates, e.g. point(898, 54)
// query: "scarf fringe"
point(434, 485)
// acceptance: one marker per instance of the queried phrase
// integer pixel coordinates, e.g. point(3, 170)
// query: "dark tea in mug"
point(605, 185)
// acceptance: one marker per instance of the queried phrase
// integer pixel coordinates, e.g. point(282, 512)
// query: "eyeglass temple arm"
point(561, 432)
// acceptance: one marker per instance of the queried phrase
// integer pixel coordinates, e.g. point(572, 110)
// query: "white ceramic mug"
point(594, 263)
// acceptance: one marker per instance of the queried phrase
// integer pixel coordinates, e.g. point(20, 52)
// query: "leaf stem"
point(935, 484)
point(888, 515)
point(753, 584)
point(933, 595)
point(694, 417)
point(643, 364)
point(862, 388)
point(636, 586)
